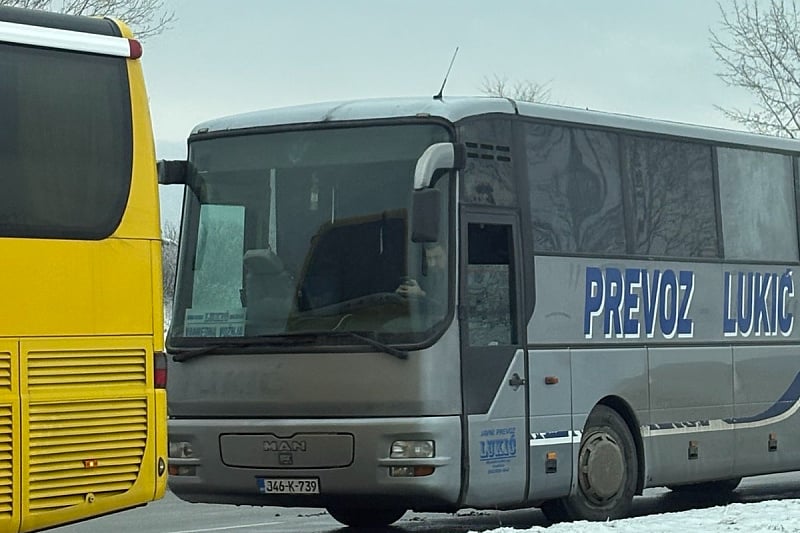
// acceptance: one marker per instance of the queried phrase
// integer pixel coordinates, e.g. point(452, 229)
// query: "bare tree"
point(525, 91)
point(145, 17)
point(758, 45)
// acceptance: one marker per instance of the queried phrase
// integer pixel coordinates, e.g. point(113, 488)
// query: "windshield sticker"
point(206, 323)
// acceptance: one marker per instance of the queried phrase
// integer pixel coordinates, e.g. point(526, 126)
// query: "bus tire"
point(366, 516)
point(554, 510)
point(720, 487)
point(607, 472)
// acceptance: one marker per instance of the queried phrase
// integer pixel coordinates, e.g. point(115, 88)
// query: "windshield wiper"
point(247, 342)
point(400, 354)
point(375, 343)
point(191, 353)
point(289, 339)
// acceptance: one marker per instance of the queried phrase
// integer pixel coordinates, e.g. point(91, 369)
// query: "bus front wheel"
point(366, 516)
point(607, 472)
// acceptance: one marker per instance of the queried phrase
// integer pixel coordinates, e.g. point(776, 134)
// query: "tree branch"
point(760, 53)
point(145, 17)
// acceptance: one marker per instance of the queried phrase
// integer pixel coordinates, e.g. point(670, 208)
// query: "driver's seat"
point(268, 292)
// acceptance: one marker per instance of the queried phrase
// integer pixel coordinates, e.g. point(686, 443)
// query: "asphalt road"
point(171, 515)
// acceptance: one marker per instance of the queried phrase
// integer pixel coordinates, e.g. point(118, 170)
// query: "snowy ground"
point(770, 516)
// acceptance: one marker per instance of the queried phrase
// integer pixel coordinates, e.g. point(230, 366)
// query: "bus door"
point(493, 373)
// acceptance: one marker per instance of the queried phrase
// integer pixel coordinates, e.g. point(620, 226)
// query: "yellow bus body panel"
point(82, 428)
point(142, 216)
point(89, 421)
point(94, 288)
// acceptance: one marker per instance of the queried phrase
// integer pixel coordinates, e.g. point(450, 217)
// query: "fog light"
point(182, 470)
point(412, 449)
point(401, 471)
point(411, 471)
point(180, 450)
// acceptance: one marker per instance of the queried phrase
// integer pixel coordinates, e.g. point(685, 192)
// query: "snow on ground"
point(769, 516)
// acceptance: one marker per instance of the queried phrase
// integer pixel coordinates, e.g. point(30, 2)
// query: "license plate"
point(267, 485)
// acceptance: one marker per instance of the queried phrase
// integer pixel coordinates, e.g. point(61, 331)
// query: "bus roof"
point(453, 109)
point(65, 32)
point(59, 21)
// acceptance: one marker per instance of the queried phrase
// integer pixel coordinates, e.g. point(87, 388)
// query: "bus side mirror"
point(173, 172)
point(425, 213)
point(425, 201)
point(439, 156)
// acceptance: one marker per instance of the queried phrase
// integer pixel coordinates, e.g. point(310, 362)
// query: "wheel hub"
point(602, 467)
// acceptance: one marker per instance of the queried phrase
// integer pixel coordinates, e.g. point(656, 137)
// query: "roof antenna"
point(438, 96)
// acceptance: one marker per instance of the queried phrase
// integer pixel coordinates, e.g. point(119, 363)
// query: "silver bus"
point(432, 304)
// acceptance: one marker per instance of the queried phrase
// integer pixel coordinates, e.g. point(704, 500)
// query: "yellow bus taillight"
point(160, 370)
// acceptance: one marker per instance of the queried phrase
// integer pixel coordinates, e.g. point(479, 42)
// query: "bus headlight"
point(413, 449)
point(180, 450)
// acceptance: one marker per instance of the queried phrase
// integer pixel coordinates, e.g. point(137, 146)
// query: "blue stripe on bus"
point(679, 425)
point(550, 435)
point(786, 402)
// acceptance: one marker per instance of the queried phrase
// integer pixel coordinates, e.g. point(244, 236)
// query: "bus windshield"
point(308, 232)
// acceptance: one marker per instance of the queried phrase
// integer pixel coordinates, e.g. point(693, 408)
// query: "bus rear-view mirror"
point(435, 161)
point(439, 156)
point(173, 172)
point(426, 216)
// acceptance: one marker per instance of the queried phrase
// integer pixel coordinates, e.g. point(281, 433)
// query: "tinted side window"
point(671, 189)
point(65, 143)
point(758, 205)
point(488, 177)
point(576, 197)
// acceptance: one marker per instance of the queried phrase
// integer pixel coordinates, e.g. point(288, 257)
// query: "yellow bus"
point(82, 368)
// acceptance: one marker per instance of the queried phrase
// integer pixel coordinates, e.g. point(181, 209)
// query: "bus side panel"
point(497, 446)
point(87, 411)
point(614, 372)
point(9, 432)
point(766, 395)
point(159, 432)
point(158, 422)
point(141, 218)
point(551, 423)
point(691, 400)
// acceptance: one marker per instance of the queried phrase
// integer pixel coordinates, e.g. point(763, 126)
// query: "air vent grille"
point(78, 448)
point(489, 152)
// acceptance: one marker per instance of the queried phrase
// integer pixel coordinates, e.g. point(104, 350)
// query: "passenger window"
point(670, 186)
point(490, 286)
point(758, 205)
point(576, 196)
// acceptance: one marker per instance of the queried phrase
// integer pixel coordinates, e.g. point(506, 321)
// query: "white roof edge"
point(657, 126)
point(453, 109)
point(11, 32)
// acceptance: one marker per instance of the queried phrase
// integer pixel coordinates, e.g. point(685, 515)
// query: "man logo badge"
point(284, 445)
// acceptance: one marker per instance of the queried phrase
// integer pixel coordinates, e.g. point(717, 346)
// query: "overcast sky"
point(647, 58)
